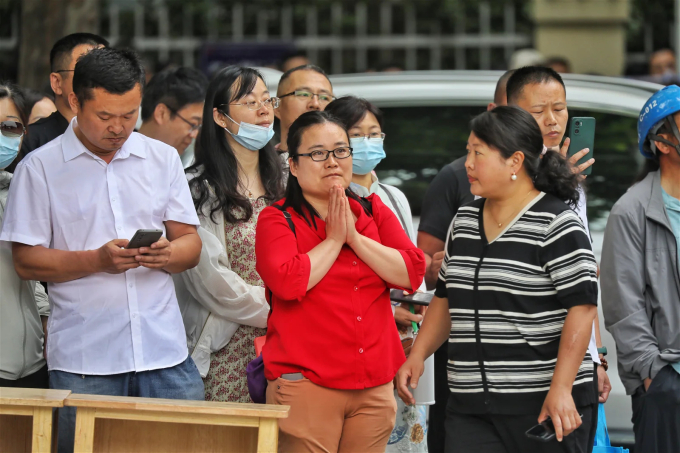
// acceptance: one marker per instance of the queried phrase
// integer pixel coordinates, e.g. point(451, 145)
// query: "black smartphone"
point(144, 238)
point(397, 295)
point(544, 431)
point(582, 136)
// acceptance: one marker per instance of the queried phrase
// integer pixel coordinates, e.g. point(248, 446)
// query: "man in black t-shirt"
point(63, 58)
point(449, 190)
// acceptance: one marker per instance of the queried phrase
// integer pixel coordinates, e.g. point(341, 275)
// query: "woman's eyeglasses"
point(272, 102)
point(12, 128)
point(371, 136)
point(323, 154)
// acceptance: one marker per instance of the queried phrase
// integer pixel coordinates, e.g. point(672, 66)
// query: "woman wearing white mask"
point(22, 362)
point(236, 174)
point(364, 122)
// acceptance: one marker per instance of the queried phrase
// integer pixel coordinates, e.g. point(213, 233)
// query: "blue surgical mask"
point(9, 148)
point(252, 136)
point(366, 154)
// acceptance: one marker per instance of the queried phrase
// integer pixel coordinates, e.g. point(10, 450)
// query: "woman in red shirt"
point(332, 346)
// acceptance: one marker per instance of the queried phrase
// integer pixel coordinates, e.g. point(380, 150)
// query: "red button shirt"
point(341, 333)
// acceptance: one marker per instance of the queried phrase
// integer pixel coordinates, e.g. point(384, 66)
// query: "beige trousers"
point(330, 420)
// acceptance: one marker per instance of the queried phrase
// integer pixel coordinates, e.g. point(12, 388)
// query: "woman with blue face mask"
point(364, 123)
point(22, 361)
point(236, 175)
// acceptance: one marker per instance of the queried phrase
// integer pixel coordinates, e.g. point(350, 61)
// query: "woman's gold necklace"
point(500, 224)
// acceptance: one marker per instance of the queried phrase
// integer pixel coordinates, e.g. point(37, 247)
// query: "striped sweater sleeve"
point(566, 255)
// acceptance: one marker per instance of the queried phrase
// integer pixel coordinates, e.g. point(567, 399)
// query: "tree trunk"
point(42, 24)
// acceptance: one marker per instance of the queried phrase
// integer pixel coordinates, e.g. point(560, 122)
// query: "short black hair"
point(115, 70)
point(501, 86)
point(350, 110)
point(306, 67)
point(60, 54)
point(529, 75)
point(176, 88)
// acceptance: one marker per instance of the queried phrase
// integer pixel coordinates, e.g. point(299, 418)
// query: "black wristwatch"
point(602, 350)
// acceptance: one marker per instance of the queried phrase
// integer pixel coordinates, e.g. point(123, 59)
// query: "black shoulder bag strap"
point(396, 207)
point(288, 217)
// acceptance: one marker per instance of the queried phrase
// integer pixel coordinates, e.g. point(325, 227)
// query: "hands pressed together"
point(340, 221)
point(114, 258)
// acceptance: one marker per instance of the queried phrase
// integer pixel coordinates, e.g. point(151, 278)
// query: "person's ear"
point(491, 106)
point(73, 102)
point(293, 166)
point(516, 161)
point(161, 114)
point(218, 118)
point(662, 147)
point(55, 83)
point(277, 112)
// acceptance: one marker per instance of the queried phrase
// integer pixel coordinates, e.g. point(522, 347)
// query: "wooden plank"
point(42, 430)
point(268, 436)
point(84, 440)
point(177, 417)
point(125, 436)
point(33, 397)
point(26, 411)
point(15, 433)
point(183, 406)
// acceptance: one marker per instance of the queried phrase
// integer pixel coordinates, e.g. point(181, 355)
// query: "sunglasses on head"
point(12, 128)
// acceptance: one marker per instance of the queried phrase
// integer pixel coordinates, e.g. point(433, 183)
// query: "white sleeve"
point(27, 216)
point(219, 289)
point(582, 209)
point(180, 204)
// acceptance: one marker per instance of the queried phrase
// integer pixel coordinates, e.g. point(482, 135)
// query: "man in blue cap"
point(641, 281)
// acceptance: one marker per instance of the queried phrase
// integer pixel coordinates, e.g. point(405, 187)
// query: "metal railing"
point(313, 41)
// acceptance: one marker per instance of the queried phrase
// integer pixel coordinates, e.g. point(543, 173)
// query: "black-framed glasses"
point(304, 95)
point(11, 128)
point(371, 136)
point(339, 153)
point(272, 102)
point(64, 70)
point(194, 126)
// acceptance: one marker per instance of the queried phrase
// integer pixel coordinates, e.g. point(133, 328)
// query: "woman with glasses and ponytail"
point(24, 302)
point(328, 259)
point(364, 123)
point(236, 175)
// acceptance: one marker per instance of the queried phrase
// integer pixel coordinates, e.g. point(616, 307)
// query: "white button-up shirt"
point(64, 197)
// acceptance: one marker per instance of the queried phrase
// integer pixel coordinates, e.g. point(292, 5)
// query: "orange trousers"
point(330, 420)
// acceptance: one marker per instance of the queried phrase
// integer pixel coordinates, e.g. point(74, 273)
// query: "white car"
point(426, 125)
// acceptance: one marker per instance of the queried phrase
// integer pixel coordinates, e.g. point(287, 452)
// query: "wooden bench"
point(26, 418)
point(124, 425)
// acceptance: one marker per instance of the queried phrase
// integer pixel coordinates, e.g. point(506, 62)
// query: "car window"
point(421, 140)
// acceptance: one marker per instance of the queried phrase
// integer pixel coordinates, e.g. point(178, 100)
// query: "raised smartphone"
point(581, 136)
point(144, 238)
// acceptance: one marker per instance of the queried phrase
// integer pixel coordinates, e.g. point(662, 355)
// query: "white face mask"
point(252, 136)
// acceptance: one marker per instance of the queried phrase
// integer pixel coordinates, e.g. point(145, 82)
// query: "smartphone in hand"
point(544, 431)
point(144, 238)
point(397, 295)
point(582, 136)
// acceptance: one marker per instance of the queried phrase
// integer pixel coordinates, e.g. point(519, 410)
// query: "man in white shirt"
point(116, 328)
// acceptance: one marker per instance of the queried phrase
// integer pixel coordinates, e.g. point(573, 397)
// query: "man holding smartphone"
point(116, 327)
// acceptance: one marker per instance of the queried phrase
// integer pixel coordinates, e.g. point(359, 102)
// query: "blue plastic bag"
point(602, 443)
